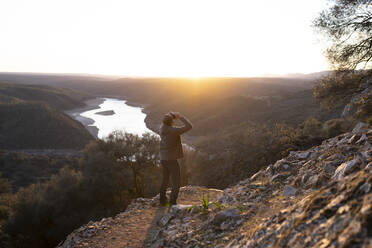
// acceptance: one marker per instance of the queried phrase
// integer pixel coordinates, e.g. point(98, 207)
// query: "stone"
point(257, 175)
point(313, 180)
point(361, 126)
point(278, 164)
point(269, 170)
point(165, 219)
point(179, 209)
point(303, 155)
point(353, 139)
point(349, 110)
point(329, 169)
point(289, 190)
point(345, 168)
point(278, 177)
point(225, 225)
point(369, 166)
point(363, 138)
point(342, 142)
point(365, 188)
point(285, 166)
point(224, 215)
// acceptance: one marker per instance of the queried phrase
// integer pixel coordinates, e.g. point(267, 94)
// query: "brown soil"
point(140, 227)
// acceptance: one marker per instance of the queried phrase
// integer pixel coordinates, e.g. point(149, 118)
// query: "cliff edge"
point(321, 197)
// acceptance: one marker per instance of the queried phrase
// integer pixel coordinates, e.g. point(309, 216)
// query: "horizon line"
point(158, 76)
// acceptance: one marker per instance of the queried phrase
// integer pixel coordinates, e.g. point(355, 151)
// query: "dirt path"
point(137, 227)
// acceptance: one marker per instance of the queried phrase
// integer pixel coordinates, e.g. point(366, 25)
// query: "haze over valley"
point(185, 124)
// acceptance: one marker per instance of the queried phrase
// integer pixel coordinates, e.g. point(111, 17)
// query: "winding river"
point(105, 115)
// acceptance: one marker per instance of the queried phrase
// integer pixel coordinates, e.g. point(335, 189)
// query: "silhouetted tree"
point(348, 24)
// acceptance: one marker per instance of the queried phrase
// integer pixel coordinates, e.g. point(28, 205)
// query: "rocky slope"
point(359, 99)
point(321, 197)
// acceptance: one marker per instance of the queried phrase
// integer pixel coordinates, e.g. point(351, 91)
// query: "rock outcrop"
point(321, 197)
point(361, 96)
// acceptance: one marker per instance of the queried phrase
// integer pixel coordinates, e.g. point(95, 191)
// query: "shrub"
point(44, 213)
point(335, 127)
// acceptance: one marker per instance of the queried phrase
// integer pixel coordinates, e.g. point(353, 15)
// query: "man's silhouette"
point(170, 151)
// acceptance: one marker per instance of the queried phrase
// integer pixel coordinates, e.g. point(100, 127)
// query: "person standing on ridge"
point(170, 151)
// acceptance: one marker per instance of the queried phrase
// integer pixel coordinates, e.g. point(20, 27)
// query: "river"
point(105, 115)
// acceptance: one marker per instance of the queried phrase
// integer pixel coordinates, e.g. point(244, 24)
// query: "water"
point(126, 118)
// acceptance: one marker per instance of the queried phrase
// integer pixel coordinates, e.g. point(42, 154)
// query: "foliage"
point(205, 203)
point(136, 153)
point(101, 185)
point(44, 213)
point(348, 24)
point(24, 169)
point(337, 126)
point(339, 87)
point(6, 201)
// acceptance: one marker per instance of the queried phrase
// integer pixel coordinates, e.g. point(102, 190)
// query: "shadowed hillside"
point(30, 117)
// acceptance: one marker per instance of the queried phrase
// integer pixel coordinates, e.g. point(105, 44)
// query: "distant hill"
point(310, 76)
point(31, 117)
point(90, 84)
point(59, 98)
point(212, 104)
point(153, 89)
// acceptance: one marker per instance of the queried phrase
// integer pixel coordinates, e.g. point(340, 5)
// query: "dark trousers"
point(172, 168)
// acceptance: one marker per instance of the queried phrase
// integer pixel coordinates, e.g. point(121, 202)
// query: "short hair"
point(168, 119)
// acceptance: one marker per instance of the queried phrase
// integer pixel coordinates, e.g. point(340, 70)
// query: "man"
point(170, 151)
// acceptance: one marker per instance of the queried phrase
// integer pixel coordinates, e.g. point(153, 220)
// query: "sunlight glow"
point(190, 38)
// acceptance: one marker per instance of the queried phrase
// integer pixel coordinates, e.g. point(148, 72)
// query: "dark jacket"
point(170, 140)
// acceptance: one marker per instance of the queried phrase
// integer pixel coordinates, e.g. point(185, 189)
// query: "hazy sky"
point(160, 38)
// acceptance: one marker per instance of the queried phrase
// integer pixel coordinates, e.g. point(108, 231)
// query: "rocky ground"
point(321, 197)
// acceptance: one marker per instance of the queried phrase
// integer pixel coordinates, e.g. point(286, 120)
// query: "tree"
point(348, 24)
point(136, 153)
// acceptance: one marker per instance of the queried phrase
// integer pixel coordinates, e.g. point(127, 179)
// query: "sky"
point(176, 38)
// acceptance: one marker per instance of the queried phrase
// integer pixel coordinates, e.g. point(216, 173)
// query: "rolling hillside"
point(31, 118)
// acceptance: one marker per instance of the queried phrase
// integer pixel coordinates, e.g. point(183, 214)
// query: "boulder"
point(179, 209)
